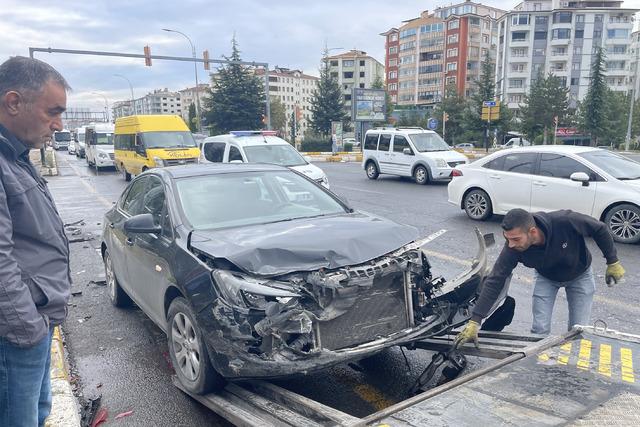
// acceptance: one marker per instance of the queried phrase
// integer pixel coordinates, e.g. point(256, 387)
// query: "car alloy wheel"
point(117, 295)
point(624, 223)
point(477, 205)
point(372, 171)
point(421, 175)
point(187, 349)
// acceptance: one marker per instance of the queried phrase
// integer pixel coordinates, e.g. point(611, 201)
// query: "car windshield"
point(62, 136)
point(242, 199)
point(104, 138)
point(168, 139)
point(614, 164)
point(428, 142)
point(283, 155)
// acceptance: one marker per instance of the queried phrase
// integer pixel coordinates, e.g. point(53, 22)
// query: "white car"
point(413, 152)
point(258, 147)
point(588, 180)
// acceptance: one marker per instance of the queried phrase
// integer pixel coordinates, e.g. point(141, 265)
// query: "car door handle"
point(129, 242)
point(494, 176)
point(539, 184)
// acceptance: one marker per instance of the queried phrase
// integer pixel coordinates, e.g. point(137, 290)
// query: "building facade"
point(188, 97)
point(444, 47)
point(561, 37)
point(160, 101)
point(355, 69)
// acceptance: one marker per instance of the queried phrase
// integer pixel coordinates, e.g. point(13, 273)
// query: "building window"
point(393, 86)
point(347, 75)
point(453, 24)
point(347, 97)
point(362, 63)
point(562, 18)
point(515, 98)
point(409, 59)
point(561, 34)
point(431, 28)
point(430, 56)
point(518, 67)
point(393, 37)
point(451, 80)
point(577, 50)
point(452, 38)
point(617, 49)
point(452, 66)
point(518, 36)
point(348, 63)
point(618, 34)
point(599, 18)
point(516, 83)
point(452, 53)
point(579, 34)
point(393, 62)
point(474, 21)
point(407, 33)
point(575, 66)
point(540, 35)
point(333, 63)
point(361, 85)
point(427, 69)
point(542, 20)
point(520, 20)
point(393, 50)
point(519, 52)
point(579, 18)
point(393, 74)
point(575, 81)
point(597, 34)
point(361, 73)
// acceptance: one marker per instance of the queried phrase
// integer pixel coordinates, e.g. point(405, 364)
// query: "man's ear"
point(13, 102)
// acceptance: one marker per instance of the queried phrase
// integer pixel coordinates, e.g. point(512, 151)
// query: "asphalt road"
point(120, 355)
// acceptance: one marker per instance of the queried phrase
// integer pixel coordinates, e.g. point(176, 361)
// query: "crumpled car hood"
point(305, 244)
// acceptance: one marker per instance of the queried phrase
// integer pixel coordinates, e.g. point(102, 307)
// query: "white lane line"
point(357, 189)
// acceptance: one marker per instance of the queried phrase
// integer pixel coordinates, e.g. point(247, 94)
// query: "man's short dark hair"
point(27, 76)
point(518, 218)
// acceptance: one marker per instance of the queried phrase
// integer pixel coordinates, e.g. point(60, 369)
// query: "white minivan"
point(99, 145)
point(61, 139)
point(258, 147)
point(415, 152)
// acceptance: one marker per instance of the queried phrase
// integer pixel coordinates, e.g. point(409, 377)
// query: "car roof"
point(403, 130)
point(247, 140)
point(570, 149)
point(177, 172)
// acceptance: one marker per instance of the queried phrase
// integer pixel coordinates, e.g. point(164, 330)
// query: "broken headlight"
point(246, 291)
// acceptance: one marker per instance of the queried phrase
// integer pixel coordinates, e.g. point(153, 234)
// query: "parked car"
point(79, 142)
point(248, 280)
point(413, 152)
point(464, 146)
point(258, 147)
point(589, 180)
point(354, 142)
point(72, 147)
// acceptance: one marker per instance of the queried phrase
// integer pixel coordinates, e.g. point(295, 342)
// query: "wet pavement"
point(121, 355)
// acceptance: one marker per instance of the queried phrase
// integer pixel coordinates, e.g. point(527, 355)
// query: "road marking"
point(357, 189)
point(91, 189)
point(584, 355)
point(604, 367)
point(373, 396)
point(543, 357)
point(565, 352)
point(627, 365)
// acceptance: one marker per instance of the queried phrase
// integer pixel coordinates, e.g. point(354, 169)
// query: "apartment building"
point(294, 89)
point(354, 69)
point(439, 48)
point(160, 101)
point(560, 37)
point(188, 97)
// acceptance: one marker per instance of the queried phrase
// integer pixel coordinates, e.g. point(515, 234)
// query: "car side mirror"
point(407, 151)
point(143, 224)
point(580, 177)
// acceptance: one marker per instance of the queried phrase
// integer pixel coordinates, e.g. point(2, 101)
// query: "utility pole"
point(633, 101)
point(133, 100)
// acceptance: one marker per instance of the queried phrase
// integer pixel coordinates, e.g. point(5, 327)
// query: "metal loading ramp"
point(587, 377)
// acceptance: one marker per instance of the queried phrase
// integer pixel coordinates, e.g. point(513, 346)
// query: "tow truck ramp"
point(585, 377)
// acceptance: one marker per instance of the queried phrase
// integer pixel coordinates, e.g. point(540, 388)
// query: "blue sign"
point(432, 123)
point(489, 103)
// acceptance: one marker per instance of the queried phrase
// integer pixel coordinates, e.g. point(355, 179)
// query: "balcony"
point(519, 43)
point(560, 42)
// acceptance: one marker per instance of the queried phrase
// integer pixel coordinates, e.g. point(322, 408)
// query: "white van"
point(61, 139)
point(415, 152)
point(258, 147)
point(516, 142)
point(99, 145)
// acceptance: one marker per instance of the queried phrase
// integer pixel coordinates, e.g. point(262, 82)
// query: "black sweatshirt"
point(563, 257)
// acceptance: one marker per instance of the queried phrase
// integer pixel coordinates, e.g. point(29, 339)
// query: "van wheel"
point(127, 175)
point(372, 171)
point(421, 175)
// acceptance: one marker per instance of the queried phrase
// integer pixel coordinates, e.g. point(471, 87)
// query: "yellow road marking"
point(604, 367)
point(584, 355)
point(565, 352)
point(543, 357)
point(373, 396)
point(627, 365)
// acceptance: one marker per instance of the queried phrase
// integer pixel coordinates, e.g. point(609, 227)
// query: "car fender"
point(602, 212)
point(368, 159)
point(424, 163)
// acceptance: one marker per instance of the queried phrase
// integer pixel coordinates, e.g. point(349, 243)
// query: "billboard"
point(368, 105)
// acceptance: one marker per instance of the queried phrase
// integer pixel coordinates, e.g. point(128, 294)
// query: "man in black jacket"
point(553, 244)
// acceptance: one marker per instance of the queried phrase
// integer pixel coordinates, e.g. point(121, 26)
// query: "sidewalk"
point(64, 411)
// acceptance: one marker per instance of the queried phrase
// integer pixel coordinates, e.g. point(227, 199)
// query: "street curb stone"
point(64, 410)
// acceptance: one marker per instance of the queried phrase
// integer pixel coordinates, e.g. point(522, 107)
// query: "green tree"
point(278, 115)
point(193, 123)
point(236, 99)
point(454, 105)
point(546, 100)
point(593, 115)
point(326, 103)
point(616, 116)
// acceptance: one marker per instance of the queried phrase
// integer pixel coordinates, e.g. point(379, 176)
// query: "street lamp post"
point(195, 69)
point(130, 87)
point(106, 105)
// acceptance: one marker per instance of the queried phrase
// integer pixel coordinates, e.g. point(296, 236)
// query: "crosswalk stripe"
point(584, 355)
point(565, 352)
point(627, 365)
point(604, 367)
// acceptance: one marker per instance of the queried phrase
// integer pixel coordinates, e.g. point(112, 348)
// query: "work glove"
point(469, 333)
point(614, 274)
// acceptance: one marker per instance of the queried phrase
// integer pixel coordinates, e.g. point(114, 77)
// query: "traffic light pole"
point(33, 50)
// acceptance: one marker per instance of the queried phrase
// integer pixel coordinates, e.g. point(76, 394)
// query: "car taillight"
point(456, 172)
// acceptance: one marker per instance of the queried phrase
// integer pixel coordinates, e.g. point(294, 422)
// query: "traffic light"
point(205, 56)
point(147, 56)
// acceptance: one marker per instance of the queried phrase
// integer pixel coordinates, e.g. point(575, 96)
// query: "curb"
point(64, 410)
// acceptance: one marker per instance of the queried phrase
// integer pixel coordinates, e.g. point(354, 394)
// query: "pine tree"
point(236, 100)
point(193, 123)
point(278, 115)
point(485, 91)
point(327, 104)
point(454, 105)
point(593, 109)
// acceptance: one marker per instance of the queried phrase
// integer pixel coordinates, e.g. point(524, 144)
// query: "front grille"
point(112, 156)
point(454, 164)
point(378, 311)
point(176, 162)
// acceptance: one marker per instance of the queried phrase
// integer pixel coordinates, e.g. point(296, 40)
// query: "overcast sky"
point(281, 32)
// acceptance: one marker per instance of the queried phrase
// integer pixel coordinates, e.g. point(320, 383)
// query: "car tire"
point(188, 351)
point(477, 205)
point(421, 175)
point(117, 295)
point(372, 170)
point(623, 222)
point(127, 175)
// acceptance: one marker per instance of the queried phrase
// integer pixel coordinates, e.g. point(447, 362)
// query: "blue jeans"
point(579, 297)
point(25, 387)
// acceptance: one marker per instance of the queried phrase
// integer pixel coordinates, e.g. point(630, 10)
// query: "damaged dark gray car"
point(254, 271)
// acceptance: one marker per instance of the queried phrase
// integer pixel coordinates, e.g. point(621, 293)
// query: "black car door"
point(150, 266)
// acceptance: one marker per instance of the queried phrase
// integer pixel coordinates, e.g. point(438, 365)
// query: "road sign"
point(488, 103)
point(432, 123)
point(492, 112)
